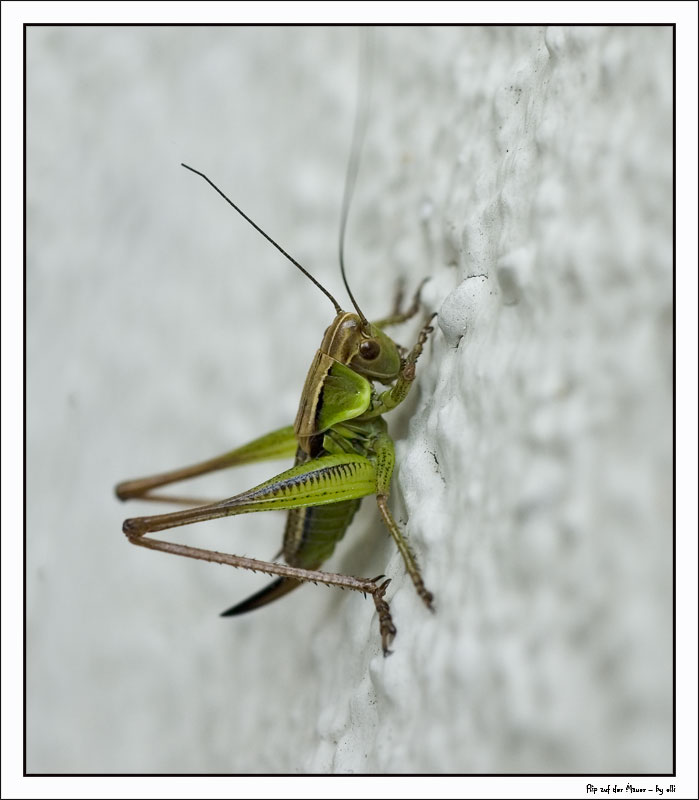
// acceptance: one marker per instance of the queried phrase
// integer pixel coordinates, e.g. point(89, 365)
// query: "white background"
point(540, 159)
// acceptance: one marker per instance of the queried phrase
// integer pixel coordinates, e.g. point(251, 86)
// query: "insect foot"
point(408, 372)
point(386, 626)
point(427, 596)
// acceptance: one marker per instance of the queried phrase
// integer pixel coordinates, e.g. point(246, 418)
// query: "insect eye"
point(369, 349)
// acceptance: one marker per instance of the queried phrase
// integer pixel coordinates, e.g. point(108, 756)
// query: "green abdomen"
point(312, 533)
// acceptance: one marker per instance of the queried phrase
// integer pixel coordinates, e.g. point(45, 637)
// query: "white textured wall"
point(528, 171)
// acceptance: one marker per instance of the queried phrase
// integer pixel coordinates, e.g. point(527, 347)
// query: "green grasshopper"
point(342, 452)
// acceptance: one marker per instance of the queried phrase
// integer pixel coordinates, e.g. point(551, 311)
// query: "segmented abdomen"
point(311, 533)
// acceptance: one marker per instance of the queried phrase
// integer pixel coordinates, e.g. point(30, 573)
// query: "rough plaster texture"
point(528, 172)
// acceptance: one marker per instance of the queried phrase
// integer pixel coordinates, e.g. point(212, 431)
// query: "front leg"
point(394, 396)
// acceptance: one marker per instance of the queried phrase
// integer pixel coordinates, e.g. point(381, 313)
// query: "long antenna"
point(360, 125)
point(271, 241)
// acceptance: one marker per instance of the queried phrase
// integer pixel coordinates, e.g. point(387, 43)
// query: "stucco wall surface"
point(528, 173)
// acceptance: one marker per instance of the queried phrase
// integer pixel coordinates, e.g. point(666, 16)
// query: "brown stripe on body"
point(341, 338)
point(339, 343)
point(305, 426)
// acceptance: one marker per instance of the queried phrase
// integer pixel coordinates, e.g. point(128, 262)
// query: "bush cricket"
point(340, 444)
